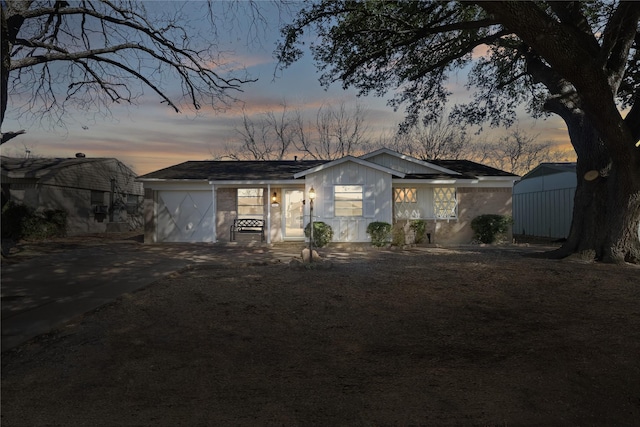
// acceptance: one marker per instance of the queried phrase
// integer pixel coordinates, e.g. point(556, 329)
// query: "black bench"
point(247, 225)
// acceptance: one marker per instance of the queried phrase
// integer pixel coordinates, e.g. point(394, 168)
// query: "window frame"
point(343, 197)
point(445, 208)
point(408, 204)
point(257, 207)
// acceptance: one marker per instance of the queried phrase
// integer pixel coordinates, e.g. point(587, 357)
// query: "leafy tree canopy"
point(411, 49)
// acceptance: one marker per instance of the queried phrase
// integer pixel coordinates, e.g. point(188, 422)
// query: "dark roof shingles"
point(234, 170)
point(257, 170)
point(468, 167)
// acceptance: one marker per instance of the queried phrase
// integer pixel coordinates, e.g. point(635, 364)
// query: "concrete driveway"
point(44, 292)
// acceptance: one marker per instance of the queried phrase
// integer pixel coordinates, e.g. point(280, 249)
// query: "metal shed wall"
point(543, 205)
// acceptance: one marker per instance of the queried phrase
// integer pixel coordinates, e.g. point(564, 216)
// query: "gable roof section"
point(226, 170)
point(349, 159)
point(411, 159)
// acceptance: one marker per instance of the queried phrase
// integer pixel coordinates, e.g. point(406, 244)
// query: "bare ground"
point(425, 336)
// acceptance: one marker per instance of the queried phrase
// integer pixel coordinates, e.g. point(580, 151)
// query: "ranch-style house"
point(201, 201)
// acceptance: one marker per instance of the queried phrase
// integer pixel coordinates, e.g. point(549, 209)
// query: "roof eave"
point(499, 178)
point(255, 182)
point(172, 180)
point(435, 181)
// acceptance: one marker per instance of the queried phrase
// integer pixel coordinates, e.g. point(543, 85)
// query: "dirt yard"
point(425, 336)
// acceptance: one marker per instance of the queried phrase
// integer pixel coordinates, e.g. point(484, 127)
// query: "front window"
point(444, 202)
point(250, 203)
point(348, 200)
point(406, 203)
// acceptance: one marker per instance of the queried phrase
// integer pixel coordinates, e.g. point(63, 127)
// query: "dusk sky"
point(151, 136)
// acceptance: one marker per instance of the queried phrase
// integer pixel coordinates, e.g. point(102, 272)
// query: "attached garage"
point(185, 216)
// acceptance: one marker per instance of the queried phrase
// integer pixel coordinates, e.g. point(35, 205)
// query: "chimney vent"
point(80, 155)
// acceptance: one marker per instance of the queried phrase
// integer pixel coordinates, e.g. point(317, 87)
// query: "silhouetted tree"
point(578, 60)
point(91, 54)
point(337, 131)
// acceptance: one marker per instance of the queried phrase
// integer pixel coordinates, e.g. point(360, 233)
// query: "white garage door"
point(185, 216)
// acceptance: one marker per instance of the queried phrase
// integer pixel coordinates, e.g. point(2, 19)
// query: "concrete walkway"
point(47, 291)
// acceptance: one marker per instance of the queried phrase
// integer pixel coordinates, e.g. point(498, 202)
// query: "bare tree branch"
point(6, 136)
point(107, 48)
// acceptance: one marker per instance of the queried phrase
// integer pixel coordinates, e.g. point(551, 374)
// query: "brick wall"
point(227, 211)
point(471, 203)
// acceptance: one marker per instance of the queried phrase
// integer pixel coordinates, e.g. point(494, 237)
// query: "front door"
point(293, 215)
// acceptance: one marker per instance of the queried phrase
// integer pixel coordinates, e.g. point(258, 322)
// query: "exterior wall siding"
point(377, 199)
point(472, 202)
point(398, 164)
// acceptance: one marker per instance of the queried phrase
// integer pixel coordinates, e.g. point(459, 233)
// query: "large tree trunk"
point(623, 209)
point(606, 213)
point(589, 200)
point(606, 217)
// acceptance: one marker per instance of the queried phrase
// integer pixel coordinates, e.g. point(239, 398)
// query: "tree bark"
point(623, 221)
point(607, 210)
point(589, 201)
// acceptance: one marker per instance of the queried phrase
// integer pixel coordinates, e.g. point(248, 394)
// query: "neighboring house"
point(543, 201)
point(197, 201)
point(98, 194)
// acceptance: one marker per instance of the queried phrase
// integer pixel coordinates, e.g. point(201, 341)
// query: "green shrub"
point(21, 221)
point(419, 227)
point(322, 233)
point(398, 237)
point(380, 233)
point(489, 227)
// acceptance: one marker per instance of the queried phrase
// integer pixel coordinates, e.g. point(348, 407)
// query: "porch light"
point(274, 199)
point(312, 194)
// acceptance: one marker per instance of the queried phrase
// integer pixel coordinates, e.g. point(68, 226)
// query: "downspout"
point(214, 209)
point(269, 214)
